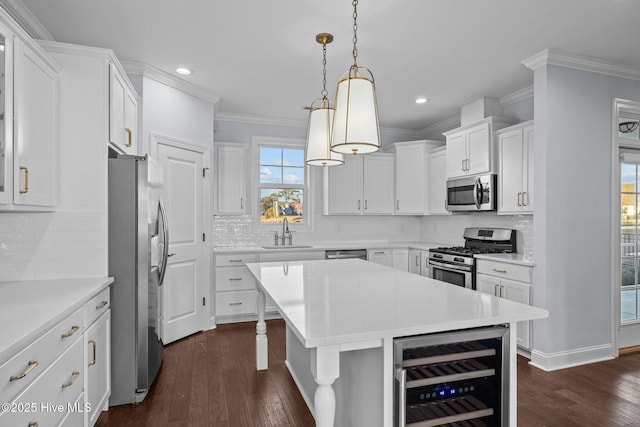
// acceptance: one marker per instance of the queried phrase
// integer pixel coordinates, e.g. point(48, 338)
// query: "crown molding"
point(153, 73)
point(27, 20)
point(517, 96)
point(583, 63)
point(402, 133)
point(260, 120)
point(442, 126)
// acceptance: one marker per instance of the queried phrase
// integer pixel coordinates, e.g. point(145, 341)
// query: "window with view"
point(282, 184)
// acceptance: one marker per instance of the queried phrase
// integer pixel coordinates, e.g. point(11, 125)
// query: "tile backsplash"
point(52, 245)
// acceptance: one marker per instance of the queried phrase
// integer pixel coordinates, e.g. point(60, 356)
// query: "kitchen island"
point(342, 317)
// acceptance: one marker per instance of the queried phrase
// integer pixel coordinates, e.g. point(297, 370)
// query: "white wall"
point(572, 221)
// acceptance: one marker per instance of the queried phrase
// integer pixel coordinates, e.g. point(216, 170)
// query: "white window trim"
point(256, 142)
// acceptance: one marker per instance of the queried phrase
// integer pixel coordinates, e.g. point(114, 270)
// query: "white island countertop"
point(345, 301)
point(29, 308)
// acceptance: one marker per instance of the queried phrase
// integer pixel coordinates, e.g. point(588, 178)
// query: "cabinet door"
point(479, 149)
point(519, 292)
point(438, 183)
point(410, 180)
point(414, 261)
point(424, 264)
point(6, 109)
point(401, 259)
point(230, 185)
point(35, 98)
point(378, 184)
point(380, 256)
point(117, 96)
point(131, 123)
point(456, 155)
point(345, 187)
point(527, 186)
point(98, 362)
point(487, 284)
point(510, 189)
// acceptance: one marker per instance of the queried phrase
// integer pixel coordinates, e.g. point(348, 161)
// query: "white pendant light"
point(321, 119)
point(356, 129)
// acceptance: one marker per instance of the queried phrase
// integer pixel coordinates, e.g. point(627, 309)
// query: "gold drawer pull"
point(26, 179)
point(74, 377)
point(235, 303)
point(33, 424)
point(73, 330)
point(379, 253)
point(232, 279)
point(129, 136)
point(102, 304)
point(497, 270)
point(235, 260)
point(31, 366)
point(93, 344)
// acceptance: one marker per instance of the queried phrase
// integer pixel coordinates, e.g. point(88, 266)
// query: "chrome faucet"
point(285, 231)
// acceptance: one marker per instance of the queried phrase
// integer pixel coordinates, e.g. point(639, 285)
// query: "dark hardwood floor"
point(209, 379)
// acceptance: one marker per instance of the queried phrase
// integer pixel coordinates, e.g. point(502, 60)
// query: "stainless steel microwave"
point(474, 193)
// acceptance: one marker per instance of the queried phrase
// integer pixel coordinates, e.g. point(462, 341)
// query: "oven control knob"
point(458, 259)
point(437, 256)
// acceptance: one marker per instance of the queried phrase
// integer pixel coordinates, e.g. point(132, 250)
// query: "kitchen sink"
point(287, 247)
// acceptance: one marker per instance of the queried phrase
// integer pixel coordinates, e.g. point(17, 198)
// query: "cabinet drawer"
point(37, 356)
point(98, 305)
point(235, 259)
point(58, 386)
point(234, 279)
point(521, 273)
point(241, 302)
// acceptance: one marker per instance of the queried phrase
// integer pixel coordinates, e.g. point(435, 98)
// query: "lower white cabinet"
point(391, 257)
point(509, 281)
point(63, 376)
point(419, 262)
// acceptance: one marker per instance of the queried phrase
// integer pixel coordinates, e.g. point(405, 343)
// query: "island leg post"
point(262, 347)
point(325, 366)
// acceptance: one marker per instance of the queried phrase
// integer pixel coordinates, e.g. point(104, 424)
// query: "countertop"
point(332, 302)
point(520, 259)
point(30, 308)
point(353, 244)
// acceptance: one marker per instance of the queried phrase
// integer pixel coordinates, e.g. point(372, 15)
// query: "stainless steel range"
point(456, 264)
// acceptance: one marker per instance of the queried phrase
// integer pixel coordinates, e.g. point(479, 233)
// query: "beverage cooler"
point(455, 378)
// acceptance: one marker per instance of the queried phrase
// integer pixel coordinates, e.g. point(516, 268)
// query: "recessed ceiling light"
point(184, 71)
point(421, 100)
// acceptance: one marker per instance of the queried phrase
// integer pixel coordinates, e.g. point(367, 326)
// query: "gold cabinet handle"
point(417, 260)
point(93, 344)
point(379, 253)
point(496, 290)
point(366, 205)
point(33, 424)
point(519, 199)
point(26, 179)
point(358, 204)
point(129, 137)
point(241, 202)
point(235, 260)
point(497, 270)
point(30, 367)
point(73, 330)
point(101, 305)
point(74, 377)
point(397, 205)
point(235, 279)
point(235, 303)
point(523, 199)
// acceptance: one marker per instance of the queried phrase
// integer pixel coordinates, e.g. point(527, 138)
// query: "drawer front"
point(241, 302)
point(291, 256)
point(75, 418)
point(98, 305)
point(49, 396)
point(34, 359)
point(234, 279)
point(521, 273)
point(225, 260)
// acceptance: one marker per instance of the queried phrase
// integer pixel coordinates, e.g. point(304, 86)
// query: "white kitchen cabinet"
point(438, 182)
point(412, 176)
point(470, 149)
point(515, 188)
point(123, 112)
point(364, 185)
point(97, 340)
point(509, 281)
point(28, 151)
point(381, 256)
point(230, 186)
point(401, 259)
point(419, 262)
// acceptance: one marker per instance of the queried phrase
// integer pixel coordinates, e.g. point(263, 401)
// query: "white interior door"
point(182, 307)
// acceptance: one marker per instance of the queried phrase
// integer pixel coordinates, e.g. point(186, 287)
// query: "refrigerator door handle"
point(165, 248)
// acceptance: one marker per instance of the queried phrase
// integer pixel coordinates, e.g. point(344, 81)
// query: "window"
point(282, 182)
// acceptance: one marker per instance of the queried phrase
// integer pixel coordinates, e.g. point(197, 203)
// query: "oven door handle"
point(448, 267)
point(401, 377)
point(477, 192)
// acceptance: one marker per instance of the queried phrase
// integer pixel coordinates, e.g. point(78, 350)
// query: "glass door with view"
point(629, 250)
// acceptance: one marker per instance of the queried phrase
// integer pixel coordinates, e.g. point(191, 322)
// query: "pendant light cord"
point(324, 72)
point(355, 33)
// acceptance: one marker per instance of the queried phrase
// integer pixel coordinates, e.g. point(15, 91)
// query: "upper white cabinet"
point(438, 182)
point(123, 112)
point(28, 124)
point(515, 188)
point(230, 186)
point(364, 185)
point(412, 173)
point(470, 148)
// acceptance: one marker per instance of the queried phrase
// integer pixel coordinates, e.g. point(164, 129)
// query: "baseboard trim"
point(628, 350)
point(307, 399)
point(568, 359)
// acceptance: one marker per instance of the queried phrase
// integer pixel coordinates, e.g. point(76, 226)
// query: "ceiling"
point(261, 58)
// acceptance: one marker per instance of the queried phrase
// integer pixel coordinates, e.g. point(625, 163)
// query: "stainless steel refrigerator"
point(138, 243)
